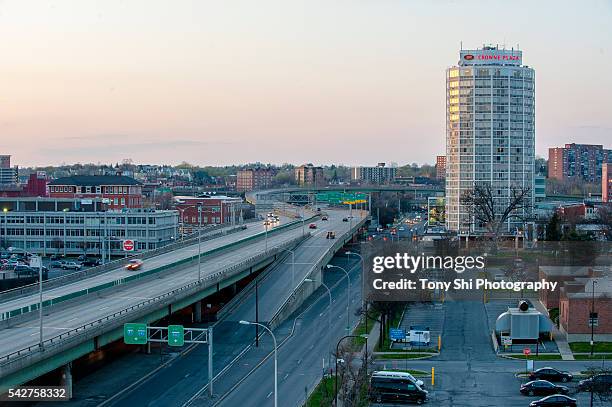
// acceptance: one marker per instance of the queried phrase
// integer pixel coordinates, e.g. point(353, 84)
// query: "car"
point(134, 264)
point(324, 217)
point(395, 390)
point(267, 223)
point(91, 262)
point(550, 374)
point(312, 226)
point(344, 219)
point(71, 265)
point(330, 235)
point(4, 256)
point(55, 257)
point(600, 382)
point(557, 400)
point(318, 209)
point(542, 388)
point(386, 373)
point(57, 264)
point(23, 269)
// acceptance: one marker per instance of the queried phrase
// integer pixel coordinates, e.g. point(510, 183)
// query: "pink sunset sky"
point(229, 82)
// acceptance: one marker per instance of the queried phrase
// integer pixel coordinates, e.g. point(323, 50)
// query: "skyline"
point(279, 81)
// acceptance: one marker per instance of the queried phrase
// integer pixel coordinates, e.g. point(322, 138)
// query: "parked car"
point(542, 388)
point(134, 264)
point(57, 264)
point(403, 375)
point(91, 262)
point(55, 257)
point(82, 258)
point(312, 226)
point(550, 374)
point(556, 400)
point(344, 219)
point(23, 269)
point(600, 382)
point(395, 390)
point(330, 235)
point(71, 265)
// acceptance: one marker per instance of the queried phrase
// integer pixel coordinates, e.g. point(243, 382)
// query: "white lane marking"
point(72, 319)
point(103, 308)
point(269, 394)
point(47, 327)
point(285, 376)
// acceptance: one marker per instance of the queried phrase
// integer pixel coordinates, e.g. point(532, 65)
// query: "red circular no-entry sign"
point(526, 351)
point(128, 245)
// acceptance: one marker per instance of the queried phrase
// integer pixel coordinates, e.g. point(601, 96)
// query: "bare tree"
point(483, 207)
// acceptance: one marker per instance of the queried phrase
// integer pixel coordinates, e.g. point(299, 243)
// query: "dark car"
point(344, 219)
point(396, 390)
point(600, 382)
point(542, 388)
point(82, 257)
point(550, 374)
point(25, 270)
point(556, 400)
point(91, 262)
point(55, 257)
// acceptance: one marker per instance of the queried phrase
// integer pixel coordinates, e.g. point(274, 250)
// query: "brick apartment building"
point(309, 175)
point(35, 187)
point(254, 178)
point(577, 161)
point(606, 182)
point(440, 167)
point(120, 191)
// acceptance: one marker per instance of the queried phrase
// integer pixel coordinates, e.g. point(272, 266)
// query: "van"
point(395, 389)
point(399, 375)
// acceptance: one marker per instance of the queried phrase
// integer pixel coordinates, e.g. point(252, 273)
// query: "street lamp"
point(337, 351)
point(310, 280)
point(364, 303)
point(243, 322)
point(592, 318)
point(348, 296)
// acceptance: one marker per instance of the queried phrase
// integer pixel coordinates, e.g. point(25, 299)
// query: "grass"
point(539, 357)
point(357, 343)
point(323, 394)
point(607, 356)
point(406, 355)
point(585, 347)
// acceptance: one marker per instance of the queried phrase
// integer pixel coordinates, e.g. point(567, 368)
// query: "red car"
point(134, 264)
point(312, 226)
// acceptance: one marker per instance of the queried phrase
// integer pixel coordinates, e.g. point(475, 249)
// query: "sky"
point(323, 81)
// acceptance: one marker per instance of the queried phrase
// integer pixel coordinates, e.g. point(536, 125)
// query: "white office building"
point(490, 131)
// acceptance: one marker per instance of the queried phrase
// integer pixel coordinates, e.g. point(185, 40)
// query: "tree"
point(483, 207)
point(553, 229)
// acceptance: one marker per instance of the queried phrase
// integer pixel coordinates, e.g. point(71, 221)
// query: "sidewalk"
point(558, 336)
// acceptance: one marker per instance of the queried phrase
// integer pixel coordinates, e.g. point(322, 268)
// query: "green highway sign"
point(135, 334)
point(176, 335)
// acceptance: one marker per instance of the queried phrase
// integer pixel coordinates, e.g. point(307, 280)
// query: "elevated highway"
point(169, 282)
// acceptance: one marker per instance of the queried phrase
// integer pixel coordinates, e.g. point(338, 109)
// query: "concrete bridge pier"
point(66, 380)
point(198, 312)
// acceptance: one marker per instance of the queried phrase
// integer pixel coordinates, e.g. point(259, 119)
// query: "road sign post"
point(173, 335)
point(135, 334)
point(176, 335)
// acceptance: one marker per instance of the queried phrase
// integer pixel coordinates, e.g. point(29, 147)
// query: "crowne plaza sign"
point(490, 57)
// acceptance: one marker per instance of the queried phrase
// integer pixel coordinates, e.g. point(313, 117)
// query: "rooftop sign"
point(491, 57)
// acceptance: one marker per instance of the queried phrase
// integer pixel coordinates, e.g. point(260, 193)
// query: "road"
point(184, 377)
point(71, 316)
point(119, 272)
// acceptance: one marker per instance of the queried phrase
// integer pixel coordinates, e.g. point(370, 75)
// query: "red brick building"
point(577, 161)
point(254, 178)
point(35, 187)
point(606, 182)
point(440, 167)
point(216, 209)
point(121, 191)
point(576, 302)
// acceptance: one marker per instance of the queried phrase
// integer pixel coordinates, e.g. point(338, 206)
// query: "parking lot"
point(424, 314)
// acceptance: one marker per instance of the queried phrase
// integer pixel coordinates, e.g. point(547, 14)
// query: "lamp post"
point(592, 318)
point(5, 211)
point(336, 371)
point(310, 280)
point(348, 296)
point(275, 357)
point(364, 303)
point(199, 243)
